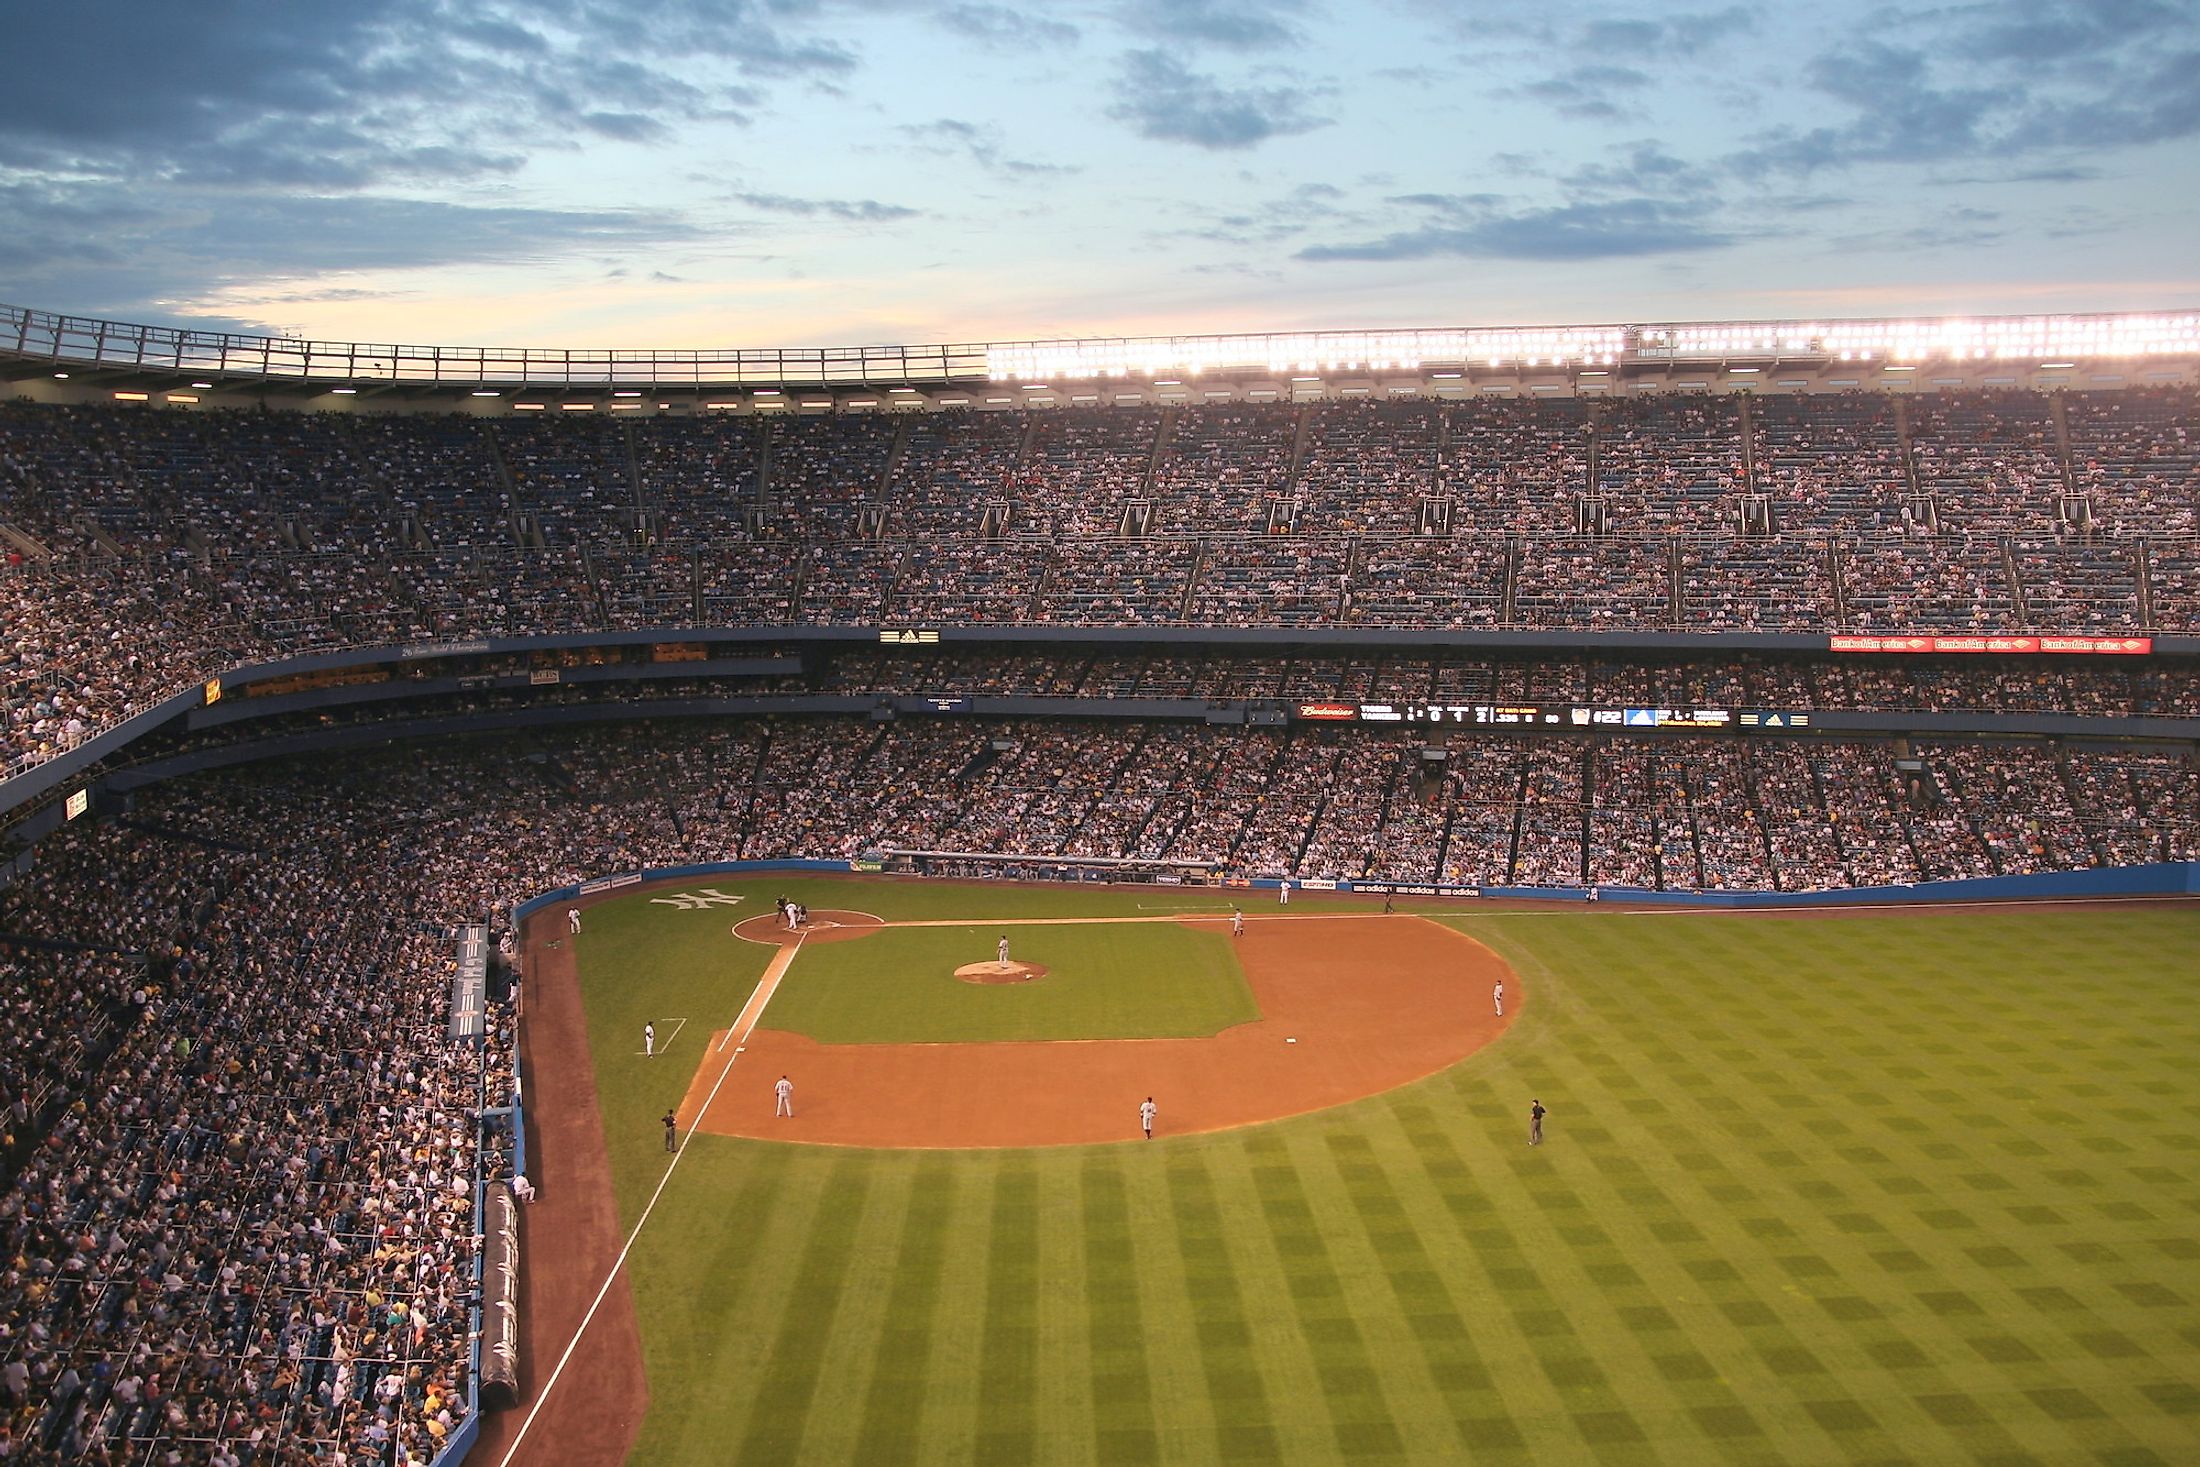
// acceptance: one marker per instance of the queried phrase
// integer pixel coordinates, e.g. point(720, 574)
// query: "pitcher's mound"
point(1009, 972)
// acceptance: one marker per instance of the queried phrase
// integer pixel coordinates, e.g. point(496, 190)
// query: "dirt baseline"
point(1351, 1006)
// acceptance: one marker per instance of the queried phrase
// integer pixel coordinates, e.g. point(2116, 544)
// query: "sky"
point(837, 172)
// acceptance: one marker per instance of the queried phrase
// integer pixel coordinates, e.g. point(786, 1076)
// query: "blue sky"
point(765, 172)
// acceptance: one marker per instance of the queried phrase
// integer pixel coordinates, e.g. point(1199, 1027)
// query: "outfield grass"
point(1876, 1190)
point(1103, 981)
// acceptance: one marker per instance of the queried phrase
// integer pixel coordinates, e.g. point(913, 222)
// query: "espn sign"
point(2117, 646)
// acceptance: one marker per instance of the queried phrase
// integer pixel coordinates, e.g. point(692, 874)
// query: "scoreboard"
point(1549, 717)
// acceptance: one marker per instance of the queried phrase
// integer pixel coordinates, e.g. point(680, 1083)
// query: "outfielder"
point(1147, 1110)
point(1497, 997)
point(1237, 923)
point(573, 918)
point(785, 1091)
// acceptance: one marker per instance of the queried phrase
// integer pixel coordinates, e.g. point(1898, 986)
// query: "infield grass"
point(1128, 980)
point(1913, 1188)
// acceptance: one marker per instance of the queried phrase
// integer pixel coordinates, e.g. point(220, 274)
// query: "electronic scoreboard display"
point(1549, 717)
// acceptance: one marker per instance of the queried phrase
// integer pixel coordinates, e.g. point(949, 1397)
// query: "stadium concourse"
point(240, 1143)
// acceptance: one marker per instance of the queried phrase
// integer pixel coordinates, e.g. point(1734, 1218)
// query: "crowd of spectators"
point(239, 1198)
point(241, 1149)
point(184, 543)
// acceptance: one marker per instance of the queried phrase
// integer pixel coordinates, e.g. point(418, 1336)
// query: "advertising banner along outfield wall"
point(2161, 878)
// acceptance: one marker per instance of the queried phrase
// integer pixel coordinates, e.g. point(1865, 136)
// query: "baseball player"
point(1535, 1122)
point(672, 1131)
point(649, 1041)
point(1147, 1110)
point(785, 1091)
point(573, 919)
point(1497, 997)
point(1000, 951)
point(1283, 892)
point(1237, 923)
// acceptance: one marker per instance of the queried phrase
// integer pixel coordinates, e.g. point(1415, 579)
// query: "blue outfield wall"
point(598, 884)
point(2161, 878)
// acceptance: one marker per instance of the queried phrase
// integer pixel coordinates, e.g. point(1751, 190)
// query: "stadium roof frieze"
point(1281, 365)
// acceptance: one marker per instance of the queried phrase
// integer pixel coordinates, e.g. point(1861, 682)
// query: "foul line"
point(676, 1023)
point(751, 1013)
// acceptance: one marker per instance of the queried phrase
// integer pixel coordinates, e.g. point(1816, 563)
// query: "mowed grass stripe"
point(891, 1426)
point(691, 1273)
point(799, 1335)
point(1008, 1358)
point(1185, 1410)
point(1122, 1407)
point(1830, 1192)
point(1849, 1176)
point(1253, 1419)
point(1382, 1402)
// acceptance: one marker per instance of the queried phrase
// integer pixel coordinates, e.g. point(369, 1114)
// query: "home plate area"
point(824, 926)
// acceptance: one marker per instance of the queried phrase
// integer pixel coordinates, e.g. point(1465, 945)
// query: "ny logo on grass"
point(695, 901)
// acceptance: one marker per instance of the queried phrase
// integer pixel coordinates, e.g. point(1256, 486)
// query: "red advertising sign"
point(2120, 646)
point(1338, 712)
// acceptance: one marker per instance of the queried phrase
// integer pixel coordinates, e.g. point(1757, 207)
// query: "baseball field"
point(1871, 1188)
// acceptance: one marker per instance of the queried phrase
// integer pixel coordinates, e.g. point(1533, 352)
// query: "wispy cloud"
point(982, 144)
point(1236, 25)
point(1478, 227)
point(1163, 100)
point(860, 211)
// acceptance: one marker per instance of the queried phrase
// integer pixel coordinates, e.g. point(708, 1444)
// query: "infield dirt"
point(1351, 1006)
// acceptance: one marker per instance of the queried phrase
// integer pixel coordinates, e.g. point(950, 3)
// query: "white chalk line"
point(752, 1012)
point(666, 1042)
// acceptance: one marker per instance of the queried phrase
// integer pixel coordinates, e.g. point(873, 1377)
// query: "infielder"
point(1237, 923)
point(1283, 894)
point(1497, 997)
point(649, 1041)
point(785, 1091)
point(1147, 1110)
point(1000, 951)
point(573, 918)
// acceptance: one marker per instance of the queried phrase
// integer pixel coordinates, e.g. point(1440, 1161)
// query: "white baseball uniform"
point(649, 1040)
point(1497, 997)
point(785, 1091)
point(573, 918)
point(1000, 952)
point(1147, 1110)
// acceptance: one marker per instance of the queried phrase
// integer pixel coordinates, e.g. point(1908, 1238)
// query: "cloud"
point(1678, 35)
point(1988, 83)
point(1166, 102)
point(357, 97)
point(862, 211)
point(999, 28)
point(1588, 91)
point(981, 144)
point(109, 249)
point(1235, 25)
point(1478, 227)
point(1961, 227)
point(1288, 217)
